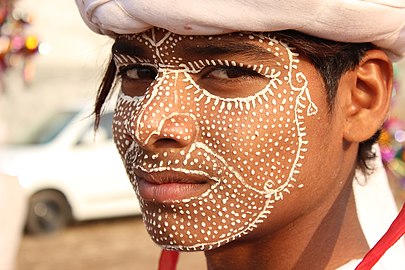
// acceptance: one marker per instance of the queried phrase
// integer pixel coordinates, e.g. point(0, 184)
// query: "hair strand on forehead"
point(107, 84)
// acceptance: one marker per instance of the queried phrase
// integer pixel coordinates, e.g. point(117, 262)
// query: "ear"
point(369, 94)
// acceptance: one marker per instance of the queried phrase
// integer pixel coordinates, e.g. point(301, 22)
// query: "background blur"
point(65, 66)
point(68, 68)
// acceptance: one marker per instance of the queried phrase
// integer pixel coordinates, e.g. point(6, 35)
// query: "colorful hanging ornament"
point(15, 45)
point(392, 145)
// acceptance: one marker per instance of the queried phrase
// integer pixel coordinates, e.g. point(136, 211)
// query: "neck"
point(326, 238)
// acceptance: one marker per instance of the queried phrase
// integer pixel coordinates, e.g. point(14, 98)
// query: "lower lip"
point(165, 193)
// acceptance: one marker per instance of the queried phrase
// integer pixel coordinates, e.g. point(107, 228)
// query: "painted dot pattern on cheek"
point(250, 147)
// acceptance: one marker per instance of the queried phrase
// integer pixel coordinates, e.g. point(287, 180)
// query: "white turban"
point(381, 22)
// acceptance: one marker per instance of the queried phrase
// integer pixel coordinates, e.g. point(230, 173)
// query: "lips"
point(169, 186)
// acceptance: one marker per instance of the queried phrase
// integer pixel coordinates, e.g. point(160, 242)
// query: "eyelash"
point(122, 70)
point(243, 71)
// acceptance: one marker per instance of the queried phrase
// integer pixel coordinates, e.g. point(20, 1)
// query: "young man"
point(249, 140)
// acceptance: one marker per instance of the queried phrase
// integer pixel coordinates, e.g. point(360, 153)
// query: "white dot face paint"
point(216, 138)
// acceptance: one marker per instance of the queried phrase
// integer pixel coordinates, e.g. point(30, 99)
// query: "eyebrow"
point(242, 49)
point(230, 48)
point(127, 48)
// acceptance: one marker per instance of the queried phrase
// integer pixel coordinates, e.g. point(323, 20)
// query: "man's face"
point(213, 132)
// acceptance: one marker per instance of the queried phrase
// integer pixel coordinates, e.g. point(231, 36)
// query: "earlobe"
point(369, 98)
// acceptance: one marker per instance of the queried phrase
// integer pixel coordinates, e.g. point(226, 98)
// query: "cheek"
point(323, 133)
point(260, 141)
point(123, 132)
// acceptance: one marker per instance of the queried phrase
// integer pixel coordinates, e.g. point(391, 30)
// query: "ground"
point(103, 245)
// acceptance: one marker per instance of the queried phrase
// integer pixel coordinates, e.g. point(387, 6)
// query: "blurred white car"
point(69, 172)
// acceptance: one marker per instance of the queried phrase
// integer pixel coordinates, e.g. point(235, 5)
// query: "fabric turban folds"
point(381, 22)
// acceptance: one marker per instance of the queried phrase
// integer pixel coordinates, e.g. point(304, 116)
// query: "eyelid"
point(122, 68)
point(244, 70)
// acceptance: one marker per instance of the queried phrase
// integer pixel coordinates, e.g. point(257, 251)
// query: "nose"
point(166, 119)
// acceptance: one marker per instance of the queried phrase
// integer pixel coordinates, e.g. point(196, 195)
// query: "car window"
point(104, 131)
point(49, 129)
point(106, 124)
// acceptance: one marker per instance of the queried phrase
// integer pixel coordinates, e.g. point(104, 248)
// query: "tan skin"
point(315, 227)
point(326, 233)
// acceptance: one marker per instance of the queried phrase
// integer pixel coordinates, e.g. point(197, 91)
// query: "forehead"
point(165, 44)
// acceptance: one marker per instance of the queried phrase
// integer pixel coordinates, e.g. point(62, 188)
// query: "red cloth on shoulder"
point(168, 260)
point(394, 233)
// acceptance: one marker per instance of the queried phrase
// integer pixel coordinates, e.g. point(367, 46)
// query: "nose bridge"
point(163, 112)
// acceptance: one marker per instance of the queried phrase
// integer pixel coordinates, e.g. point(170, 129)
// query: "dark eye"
point(136, 79)
point(139, 73)
point(231, 73)
point(231, 81)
